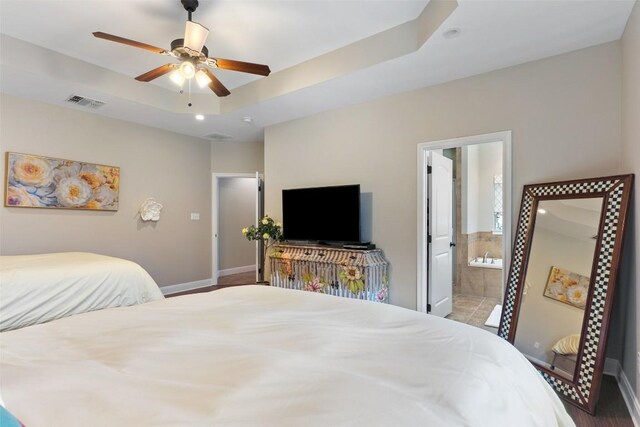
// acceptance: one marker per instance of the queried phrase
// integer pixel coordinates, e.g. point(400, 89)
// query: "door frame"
point(215, 213)
point(423, 148)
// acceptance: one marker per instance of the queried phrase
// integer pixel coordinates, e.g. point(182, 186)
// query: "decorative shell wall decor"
point(46, 182)
point(150, 210)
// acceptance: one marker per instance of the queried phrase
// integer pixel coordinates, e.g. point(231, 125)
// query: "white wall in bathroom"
point(480, 163)
point(469, 191)
point(490, 165)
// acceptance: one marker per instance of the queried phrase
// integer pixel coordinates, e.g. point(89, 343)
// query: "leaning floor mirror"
point(563, 273)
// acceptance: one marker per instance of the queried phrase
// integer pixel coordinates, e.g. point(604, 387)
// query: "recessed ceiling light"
point(542, 211)
point(451, 33)
point(247, 119)
point(199, 117)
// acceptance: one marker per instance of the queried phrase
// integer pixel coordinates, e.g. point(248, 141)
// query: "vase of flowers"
point(269, 233)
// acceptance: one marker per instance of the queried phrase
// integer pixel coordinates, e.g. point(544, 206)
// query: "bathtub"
point(489, 263)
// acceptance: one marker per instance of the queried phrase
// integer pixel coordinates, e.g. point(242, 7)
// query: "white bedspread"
point(40, 288)
point(261, 356)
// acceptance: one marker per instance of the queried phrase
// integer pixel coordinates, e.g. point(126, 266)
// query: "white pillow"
point(567, 345)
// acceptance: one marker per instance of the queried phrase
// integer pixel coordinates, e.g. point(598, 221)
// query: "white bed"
point(39, 288)
point(263, 356)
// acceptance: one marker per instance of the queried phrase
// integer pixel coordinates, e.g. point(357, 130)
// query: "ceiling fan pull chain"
point(189, 104)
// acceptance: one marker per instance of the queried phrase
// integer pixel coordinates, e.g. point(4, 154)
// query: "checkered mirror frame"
point(583, 390)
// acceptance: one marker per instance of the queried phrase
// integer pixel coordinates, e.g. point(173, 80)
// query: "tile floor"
point(473, 310)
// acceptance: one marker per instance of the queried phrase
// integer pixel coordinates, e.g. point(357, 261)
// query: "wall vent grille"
point(83, 101)
point(217, 136)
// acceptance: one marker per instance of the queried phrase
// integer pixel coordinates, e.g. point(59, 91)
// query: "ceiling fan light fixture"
point(195, 35)
point(192, 57)
point(187, 69)
point(177, 77)
point(202, 79)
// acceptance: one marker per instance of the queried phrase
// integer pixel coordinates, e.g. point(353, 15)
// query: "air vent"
point(217, 136)
point(84, 101)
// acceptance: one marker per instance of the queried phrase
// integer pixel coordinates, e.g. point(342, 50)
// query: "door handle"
point(452, 245)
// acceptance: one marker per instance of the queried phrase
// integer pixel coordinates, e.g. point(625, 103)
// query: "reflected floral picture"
point(45, 182)
point(567, 287)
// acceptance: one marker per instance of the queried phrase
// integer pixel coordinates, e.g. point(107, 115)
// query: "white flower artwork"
point(150, 210)
point(567, 287)
point(47, 182)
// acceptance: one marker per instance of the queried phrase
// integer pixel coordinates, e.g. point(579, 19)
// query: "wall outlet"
point(536, 345)
point(195, 216)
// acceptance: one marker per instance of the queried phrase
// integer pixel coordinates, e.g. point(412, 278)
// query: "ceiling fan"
point(193, 56)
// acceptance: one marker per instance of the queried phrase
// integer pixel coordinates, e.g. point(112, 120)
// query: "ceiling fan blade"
point(128, 42)
point(216, 86)
point(155, 73)
point(245, 67)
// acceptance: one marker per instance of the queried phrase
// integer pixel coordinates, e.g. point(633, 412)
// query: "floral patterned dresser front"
point(334, 271)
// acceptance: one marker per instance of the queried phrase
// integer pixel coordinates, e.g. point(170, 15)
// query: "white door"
point(259, 214)
point(440, 230)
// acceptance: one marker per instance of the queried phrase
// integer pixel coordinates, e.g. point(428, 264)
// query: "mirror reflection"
point(556, 282)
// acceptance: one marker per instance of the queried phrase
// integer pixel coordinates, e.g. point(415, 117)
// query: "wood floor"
point(610, 412)
point(223, 282)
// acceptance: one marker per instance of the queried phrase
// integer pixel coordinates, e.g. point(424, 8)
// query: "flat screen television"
point(322, 214)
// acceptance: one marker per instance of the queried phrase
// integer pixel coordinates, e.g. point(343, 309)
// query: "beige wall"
point(237, 157)
point(172, 168)
point(626, 326)
point(237, 209)
point(564, 112)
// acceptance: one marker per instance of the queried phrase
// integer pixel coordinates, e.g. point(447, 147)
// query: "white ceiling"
point(495, 34)
point(577, 218)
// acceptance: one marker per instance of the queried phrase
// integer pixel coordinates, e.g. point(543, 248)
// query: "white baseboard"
point(181, 287)
point(236, 270)
point(612, 367)
point(629, 398)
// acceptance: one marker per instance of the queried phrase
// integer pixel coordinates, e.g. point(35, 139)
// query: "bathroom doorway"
point(479, 191)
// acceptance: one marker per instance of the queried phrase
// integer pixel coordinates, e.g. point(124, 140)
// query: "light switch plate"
point(195, 216)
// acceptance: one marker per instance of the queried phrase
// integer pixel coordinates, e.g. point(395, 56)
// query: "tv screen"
point(322, 214)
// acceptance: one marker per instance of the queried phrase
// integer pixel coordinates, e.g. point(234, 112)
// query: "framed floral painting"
point(45, 182)
point(567, 287)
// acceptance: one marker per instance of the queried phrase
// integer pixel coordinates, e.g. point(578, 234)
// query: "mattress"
point(40, 288)
point(264, 356)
